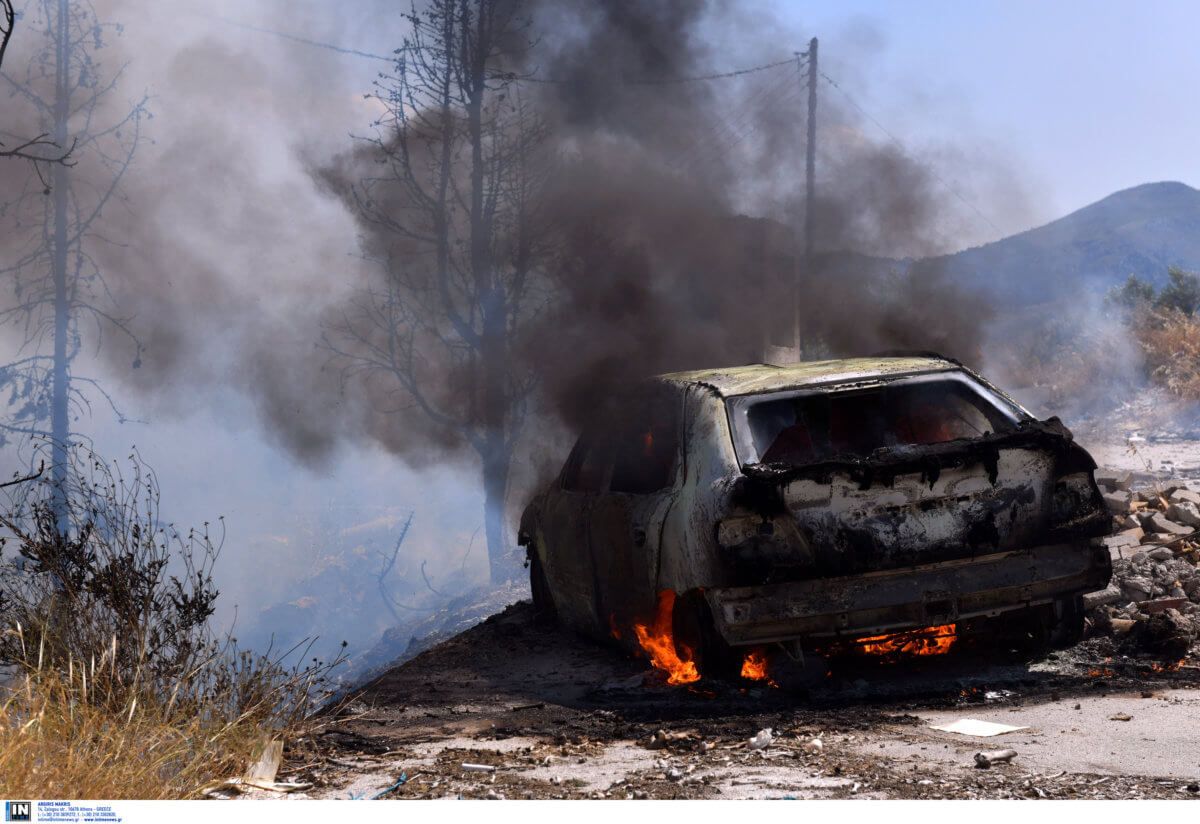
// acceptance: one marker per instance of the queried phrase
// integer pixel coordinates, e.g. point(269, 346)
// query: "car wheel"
point(696, 634)
point(543, 602)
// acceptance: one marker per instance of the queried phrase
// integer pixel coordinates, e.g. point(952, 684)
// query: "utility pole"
point(810, 161)
point(803, 263)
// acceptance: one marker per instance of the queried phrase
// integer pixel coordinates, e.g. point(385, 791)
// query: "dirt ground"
point(545, 714)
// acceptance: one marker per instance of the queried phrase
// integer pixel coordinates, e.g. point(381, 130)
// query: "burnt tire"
point(543, 601)
point(696, 635)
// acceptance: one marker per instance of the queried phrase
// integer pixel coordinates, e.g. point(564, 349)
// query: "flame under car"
point(817, 506)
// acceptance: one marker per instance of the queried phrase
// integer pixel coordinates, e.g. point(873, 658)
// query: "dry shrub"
point(1170, 341)
point(119, 690)
point(61, 738)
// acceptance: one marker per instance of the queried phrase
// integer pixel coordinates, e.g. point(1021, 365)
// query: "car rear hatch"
point(915, 470)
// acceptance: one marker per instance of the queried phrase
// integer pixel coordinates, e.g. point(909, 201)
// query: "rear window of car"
point(810, 426)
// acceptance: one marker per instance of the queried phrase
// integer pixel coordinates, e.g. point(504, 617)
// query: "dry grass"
point(54, 743)
point(81, 733)
point(120, 690)
point(1170, 341)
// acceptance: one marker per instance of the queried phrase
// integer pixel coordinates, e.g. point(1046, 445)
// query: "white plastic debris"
point(973, 726)
point(478, 768)
point(814, 746)
point(762, 740)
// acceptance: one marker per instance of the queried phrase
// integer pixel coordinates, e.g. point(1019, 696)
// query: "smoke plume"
point(672, 210)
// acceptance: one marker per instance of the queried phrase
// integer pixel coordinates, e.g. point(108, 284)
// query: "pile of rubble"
point(1154, 596)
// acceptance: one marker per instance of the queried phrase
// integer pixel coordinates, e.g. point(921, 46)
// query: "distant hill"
point(1139, 231)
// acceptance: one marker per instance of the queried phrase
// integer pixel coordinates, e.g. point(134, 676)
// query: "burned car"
point(741, 512)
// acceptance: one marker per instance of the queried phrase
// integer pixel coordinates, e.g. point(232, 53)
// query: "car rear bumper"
point(898, 599)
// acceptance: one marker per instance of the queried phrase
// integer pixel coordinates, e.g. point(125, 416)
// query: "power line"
point(720, 76)
point(391, 59)
point(729, 131)
point(900, 146)
point(671, 81)
point(746, 125)
point(295, 39)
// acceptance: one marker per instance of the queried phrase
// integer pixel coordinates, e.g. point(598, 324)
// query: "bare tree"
point(6, 28)
point(60, 301)
point(456, 228)
point(40, 148)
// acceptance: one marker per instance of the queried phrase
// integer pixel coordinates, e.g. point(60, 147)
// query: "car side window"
point(585, 468)
point(645, 447)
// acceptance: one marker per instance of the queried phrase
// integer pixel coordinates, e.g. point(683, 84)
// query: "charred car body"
point(806, 506)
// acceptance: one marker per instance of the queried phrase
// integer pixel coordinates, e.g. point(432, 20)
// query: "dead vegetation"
point(116, 687)
point(1170, 343)
point(1090, 358)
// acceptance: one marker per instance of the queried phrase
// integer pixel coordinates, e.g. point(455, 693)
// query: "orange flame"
point(658, 642)
point(754, 668)
point(928, 641)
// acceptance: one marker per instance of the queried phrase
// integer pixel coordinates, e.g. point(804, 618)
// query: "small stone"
point(1137, 588)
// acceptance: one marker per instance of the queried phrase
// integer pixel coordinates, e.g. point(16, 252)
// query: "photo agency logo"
point(18, 810)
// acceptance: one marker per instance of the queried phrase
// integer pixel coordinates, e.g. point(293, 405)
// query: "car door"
point(566, 513)
point(626, 520)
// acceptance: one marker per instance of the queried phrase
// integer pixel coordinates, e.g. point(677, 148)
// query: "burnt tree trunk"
point(493, 360)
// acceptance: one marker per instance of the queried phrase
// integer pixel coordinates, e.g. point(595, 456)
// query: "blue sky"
point(1085, 98)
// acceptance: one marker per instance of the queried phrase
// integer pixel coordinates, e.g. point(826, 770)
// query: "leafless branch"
point(9, 17)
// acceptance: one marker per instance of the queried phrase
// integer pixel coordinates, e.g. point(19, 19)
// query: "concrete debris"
point(1184, 495)
point(1185, 512)
point(1168, 633)
point(1158, 522)
point(1114, 479)
point(1110, 595)
point(984, 760)
point(1153, 599)
point(1118, 503)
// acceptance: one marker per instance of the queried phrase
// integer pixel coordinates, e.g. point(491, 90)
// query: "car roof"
point(765, 377)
